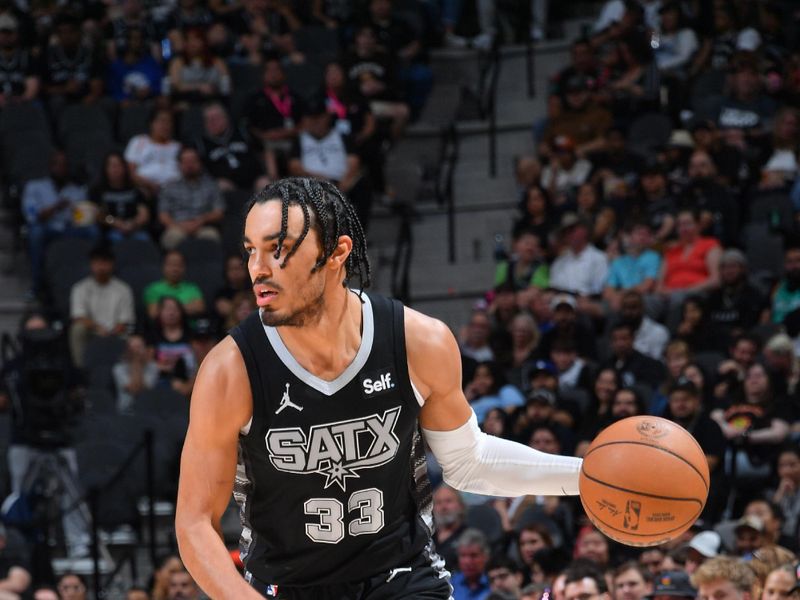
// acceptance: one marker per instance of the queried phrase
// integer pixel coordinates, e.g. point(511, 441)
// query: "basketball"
point(644, 481)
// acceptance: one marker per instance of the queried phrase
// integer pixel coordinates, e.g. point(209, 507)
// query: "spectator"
point(580, 118)
point(470, 581)
point(229, 154)
point(134, 76)
point(524, 339)
point(526, 266)
point(168, 565)
point(718, 211)
point(697, 330)
point(745, 113)
point(15, 577)
point(273, 115)
point(729, 161)
point(373, 73)
point(236, 280)
point(583, 64)
point(19, 71)
point(771, 516)
point(475, 338)
point(263, 27)
point(601, 217)
point(743, 353)
point(182, 586)
point(585, 580)
point(786, 295)
point(659, 205)
point(187, 15)
point(530, 540)
point(677, 43)
point(691, 264)
point(574, 374)
point(118, 32)
point(749, 534)
point(153, 157)
point(505, 576)
point(173, 284)
point(449, 511)
point(100, 305)
point(787, 494)
point(736, 306)
point(170, 339)
point(673, 585)
point(633, 367)
point(72, 71)
point(568, 324)
point(537, 214)
point(137, 593)
point(580, 268)
point(598, 410)
point(72, 587)
point(242, 305)
point(565, 171)
point(197, 75)
point(202, 338)
point(650, 337)
point(321, 151)
point(45, 592)
point(136, 372)
point(121, 207)
point(782, 364)
point(780, 583)
point(49, 205)
point(635, 271)
point(488, 390)
point(635, 91)
point(192, 206)
point(632, 582)
point(651, 559)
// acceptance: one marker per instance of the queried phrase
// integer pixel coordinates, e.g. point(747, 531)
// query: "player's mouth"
point(264, 295)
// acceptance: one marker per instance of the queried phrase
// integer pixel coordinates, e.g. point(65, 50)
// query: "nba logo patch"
point(272, 591)
point(632, 511)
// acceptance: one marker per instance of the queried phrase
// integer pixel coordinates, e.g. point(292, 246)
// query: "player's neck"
point(327, 346)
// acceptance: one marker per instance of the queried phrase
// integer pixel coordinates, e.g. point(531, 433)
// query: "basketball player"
point(313, 410)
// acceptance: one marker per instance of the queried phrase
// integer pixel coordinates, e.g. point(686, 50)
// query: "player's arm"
point(471, 460)
point(221, 405)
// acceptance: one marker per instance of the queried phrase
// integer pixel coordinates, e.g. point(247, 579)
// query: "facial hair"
point(309, 312)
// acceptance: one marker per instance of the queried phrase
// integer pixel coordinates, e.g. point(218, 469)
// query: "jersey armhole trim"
point(417, 395)
point(246, 429)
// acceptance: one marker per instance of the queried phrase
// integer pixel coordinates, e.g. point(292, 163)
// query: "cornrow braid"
point(333, 216)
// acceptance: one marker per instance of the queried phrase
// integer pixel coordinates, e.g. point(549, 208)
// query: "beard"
point(313, 303)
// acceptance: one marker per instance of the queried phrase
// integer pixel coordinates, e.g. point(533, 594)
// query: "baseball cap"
point(683, 384)
point(733, 255)
point(541, 395)
point(706, 543)
point(570, 219)
point(780, 343)
point(749, 522)
point(673, 583)
point(561, 299)
point(680, 138)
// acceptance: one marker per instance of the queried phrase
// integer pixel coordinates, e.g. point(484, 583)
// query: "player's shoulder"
point(222, 387)
point(426, 333)
point(223, 361)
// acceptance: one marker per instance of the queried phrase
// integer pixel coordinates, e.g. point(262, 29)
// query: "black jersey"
point(331, 481)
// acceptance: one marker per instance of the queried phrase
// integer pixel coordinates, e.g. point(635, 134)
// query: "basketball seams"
point(660, 536)
point(661, 448)
point(648, 495)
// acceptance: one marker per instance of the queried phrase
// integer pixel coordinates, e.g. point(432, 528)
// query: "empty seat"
point(80, 119)
point(305, 80)
point(105, 350)
point(200, 250)
point(26, 116)
point(133, 120)
point(130, 252)
point(64, 251)
point(320, 45)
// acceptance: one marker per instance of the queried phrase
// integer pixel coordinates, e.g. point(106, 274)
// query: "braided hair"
point(329, 212)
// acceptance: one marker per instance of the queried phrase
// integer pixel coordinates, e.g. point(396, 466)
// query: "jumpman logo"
point(286, 402)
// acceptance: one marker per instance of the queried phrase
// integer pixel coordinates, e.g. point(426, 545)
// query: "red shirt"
point(684, 270)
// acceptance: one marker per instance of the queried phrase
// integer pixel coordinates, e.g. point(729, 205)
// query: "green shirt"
point(184, 292)
point(538, 277)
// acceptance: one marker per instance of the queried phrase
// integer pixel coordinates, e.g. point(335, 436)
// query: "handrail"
point(495, 62)
point(530, 64)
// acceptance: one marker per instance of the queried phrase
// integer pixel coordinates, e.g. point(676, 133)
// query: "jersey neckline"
point(329, 388)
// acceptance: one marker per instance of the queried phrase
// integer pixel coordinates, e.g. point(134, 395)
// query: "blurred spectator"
point(524, 340)
point(398, 38)
point(580, 118)
point(787, 494)
point(743, 353)
point(632, 582)
point(717, 49)
point(781, 156)
point(601, 218)
point(119, 32)
point(580, 268)
point(168, 565)
point(716, 206)
point(323, 152)
point(782, 364)
point(169, 338)
point(45, 592)
point(526, 266)
point(676, 43)
point(137, 593)
point(583, 64)
point(273, 114)
point(565, 171)
point(650, 336)
point(174, 285)
point(568, 324)
point(736, 306)
point(134, 76)
point(616, 167)
point(573, 372)
point(505, 576)
point(651, 559)
point(331, 14)
point(182, 587)
point(15, 577)
point(186, 16)
point(604, 387)
point(585, 578)
point(772, 518)
point(701, 547)
point(136, 372)
point(475, 338)
point(633, 367)
point(537, 215)
point(697, 329)
point(780, 583)
point(229, 153)
point(746, 111)
point(729, 162)
point(72, 72)
point(373, 73)
point(122, 208)
point(72, 587)
point(153, 157)
point(659, 206)
point(242, 305)
point(673, 585)
point(470, 581)
point(202, 338)
point(196, 75)
point(237, 280)
point(635, 271)
point(488, 389)
point(635, 91)
point(50, 205)
point(264, 26)
point(191, 206)
point(749, 534)
point(691, 263)
point(19, 70)
point(100, 305)
point(449, 511)
point(786, 295)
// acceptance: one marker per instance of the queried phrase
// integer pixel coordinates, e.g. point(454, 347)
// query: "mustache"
point(262, 280)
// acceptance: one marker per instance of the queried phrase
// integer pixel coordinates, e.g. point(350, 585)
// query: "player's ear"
point(344, 245)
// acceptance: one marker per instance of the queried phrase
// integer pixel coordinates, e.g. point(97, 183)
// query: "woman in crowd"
point(121, 206)
point(170, 338)
point(787, 495)
point(197, 75)
point(153, 157)
point(135, 373)
point(537, 214)
point(488, 389)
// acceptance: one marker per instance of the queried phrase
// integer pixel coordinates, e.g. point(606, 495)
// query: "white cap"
point(706, 543)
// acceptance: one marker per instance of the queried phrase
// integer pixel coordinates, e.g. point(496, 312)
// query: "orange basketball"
point(644, 481)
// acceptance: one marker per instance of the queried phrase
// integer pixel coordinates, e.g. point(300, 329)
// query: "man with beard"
point(685, 408)
point(568, 324)
point(449, 511)
point(650, 337)
point(315, 408)
point(633, 367)
point(182, 587)
point(786, 297)
point(719, 214)
point(736, 306)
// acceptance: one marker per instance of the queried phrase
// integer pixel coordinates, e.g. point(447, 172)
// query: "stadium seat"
point(27, 117)
point(133, 120)
point(65, 251)
point(320, 45)
point(197, 250)
point(106, 350)
point(80, 119)
point(131, 252)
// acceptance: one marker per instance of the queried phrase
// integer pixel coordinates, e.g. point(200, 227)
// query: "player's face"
point(721, 589)
point(291, 296)
point(778, 586)
point(630, 585)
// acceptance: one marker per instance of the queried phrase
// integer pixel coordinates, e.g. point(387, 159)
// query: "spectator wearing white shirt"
point(153, 157)
point(100, 304)
point(566, 171)
point(650, 337)
point(580, 268)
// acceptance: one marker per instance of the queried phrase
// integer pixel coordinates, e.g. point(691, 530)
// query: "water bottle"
point(166, 49)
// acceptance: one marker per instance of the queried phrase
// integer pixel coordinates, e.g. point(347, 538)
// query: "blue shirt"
point(629, 271)
point(461, 591)
point(506, 397)
point(124, 78)
point(40, 194)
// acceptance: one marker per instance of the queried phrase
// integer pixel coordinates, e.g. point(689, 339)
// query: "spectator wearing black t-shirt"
point(263, 26)
point(273, 114)
point(122, 207)
point(633, 367)
point(19, 71)
point(323, 152)
point(236, 281)
point(133, 18)
point(229, 153)
point(72, 72)
point(736, 306)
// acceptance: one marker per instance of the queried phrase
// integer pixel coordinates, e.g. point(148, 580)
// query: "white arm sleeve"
point(473, 461)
